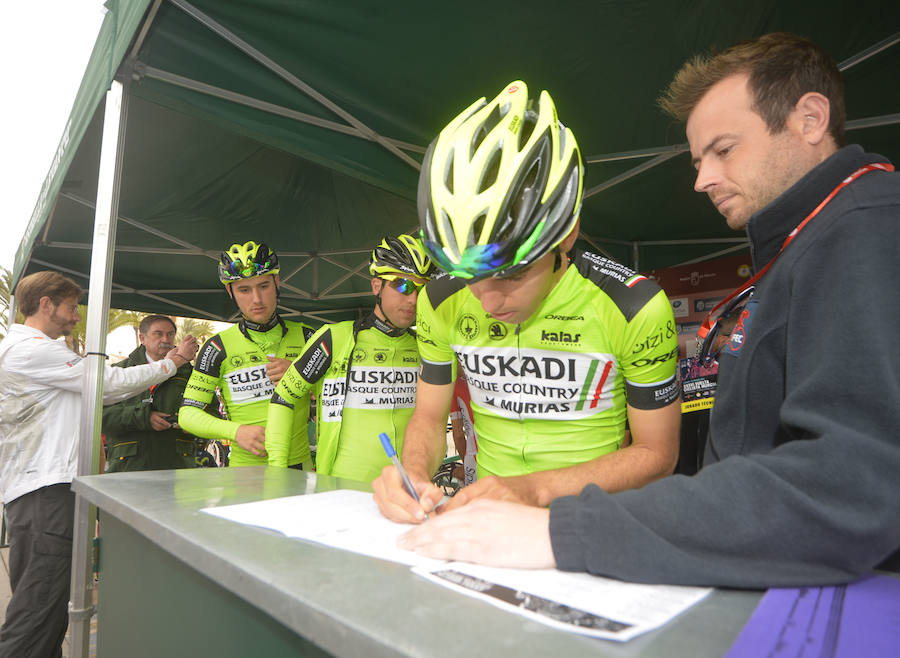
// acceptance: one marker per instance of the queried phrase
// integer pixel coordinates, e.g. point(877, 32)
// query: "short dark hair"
point(781, 68)
point(44, 284)
point(148, 321)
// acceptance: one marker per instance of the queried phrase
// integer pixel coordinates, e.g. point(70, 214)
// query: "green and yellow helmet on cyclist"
point(402, 264)
point(400, 258)
point(500, 186)
point(245, 261)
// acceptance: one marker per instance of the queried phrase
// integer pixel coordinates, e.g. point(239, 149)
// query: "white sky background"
point(44, 49)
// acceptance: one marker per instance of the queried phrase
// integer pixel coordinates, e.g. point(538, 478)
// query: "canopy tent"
point(303, 125)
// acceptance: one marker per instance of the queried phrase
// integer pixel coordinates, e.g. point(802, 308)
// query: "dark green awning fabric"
point(203, 171)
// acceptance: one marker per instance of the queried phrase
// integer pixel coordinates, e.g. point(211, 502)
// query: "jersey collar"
point(246, 325)
point(373, 320)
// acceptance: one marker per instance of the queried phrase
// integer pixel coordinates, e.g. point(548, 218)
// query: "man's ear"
point(377, 284)
point(45, 304)
point(813, 113)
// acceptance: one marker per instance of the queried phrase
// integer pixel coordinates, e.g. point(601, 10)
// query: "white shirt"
point(40, 407)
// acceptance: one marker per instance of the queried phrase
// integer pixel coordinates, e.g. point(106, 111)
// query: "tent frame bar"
point(142, 70)
point(634, 171)
point(716, 254)
point(291, 79)
point(118, 287)
point(874, 49)
point(194, 250)
point(857, 124)
point(145, 29)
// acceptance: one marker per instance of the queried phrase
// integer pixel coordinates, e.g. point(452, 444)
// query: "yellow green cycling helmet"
point(400, 257)
point(245, 261)
point(500, 186)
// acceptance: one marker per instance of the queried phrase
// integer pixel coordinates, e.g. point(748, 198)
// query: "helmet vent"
point(490, 122)
point(477, 228)
point(446, 229)
point(490, 172)
point(528, 125)
point(448, 172)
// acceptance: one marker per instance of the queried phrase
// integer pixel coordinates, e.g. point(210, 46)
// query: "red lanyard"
point(882, 166)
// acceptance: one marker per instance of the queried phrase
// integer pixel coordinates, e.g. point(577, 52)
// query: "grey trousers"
point(40, 565)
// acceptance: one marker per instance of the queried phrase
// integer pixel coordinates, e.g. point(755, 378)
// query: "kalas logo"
point(559, 337)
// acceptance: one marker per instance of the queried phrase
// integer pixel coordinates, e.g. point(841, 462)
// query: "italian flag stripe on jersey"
point(582, 398)
point(635, 279)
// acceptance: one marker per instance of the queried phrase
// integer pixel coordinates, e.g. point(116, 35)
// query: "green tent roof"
point(302, 125)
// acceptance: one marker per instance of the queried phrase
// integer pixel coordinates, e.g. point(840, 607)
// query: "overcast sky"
point(44, 48)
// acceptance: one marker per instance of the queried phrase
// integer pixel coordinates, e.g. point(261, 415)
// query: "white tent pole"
point(111, 154)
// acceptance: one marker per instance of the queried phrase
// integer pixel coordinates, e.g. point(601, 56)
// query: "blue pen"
point(392, 455)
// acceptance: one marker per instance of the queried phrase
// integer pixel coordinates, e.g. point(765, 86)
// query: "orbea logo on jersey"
point(531, 383)
point(565, 318)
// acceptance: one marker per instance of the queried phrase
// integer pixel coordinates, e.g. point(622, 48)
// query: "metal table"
point(176, 582)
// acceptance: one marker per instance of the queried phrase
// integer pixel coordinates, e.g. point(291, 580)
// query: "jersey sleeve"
point(200, 391)
point(438, 361)
point(51, 363)
point(650, 354)
point(293, 389)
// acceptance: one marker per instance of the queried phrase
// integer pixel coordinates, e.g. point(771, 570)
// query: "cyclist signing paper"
point(559, 349)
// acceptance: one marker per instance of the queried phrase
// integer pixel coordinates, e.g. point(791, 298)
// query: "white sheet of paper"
point(576, 602)
point(344, 519)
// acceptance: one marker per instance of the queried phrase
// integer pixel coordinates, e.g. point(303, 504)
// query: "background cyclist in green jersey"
point(363, 372)
point(558, 349)
point(246, 361)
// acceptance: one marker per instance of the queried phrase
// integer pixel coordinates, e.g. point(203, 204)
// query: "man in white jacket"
point(40, 407)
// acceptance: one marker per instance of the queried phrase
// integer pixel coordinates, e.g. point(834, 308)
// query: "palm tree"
point(117, 318)
point(199, 329)
point(5, 295)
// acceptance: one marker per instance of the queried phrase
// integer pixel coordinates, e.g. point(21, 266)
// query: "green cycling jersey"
point(376, 395)
point(552, 391)
point(234, 361)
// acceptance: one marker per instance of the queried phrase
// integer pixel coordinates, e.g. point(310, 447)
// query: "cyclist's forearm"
point(200, 423)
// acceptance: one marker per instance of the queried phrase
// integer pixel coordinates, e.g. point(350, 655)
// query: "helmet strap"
point(557, 259)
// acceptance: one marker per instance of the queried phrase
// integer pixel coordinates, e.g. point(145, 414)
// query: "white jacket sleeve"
point(53, 364)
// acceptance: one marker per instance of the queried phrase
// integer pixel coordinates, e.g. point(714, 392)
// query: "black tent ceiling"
point(302, 124)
